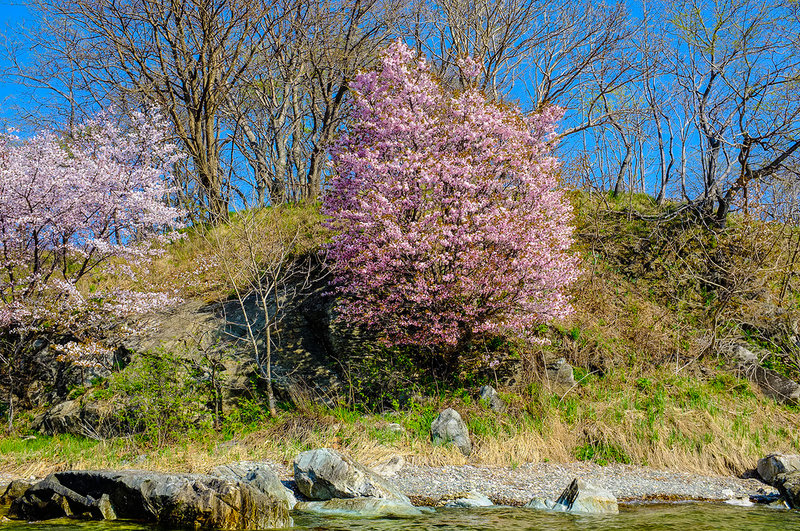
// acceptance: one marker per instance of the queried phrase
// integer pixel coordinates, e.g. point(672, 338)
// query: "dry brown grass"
point(725, 432)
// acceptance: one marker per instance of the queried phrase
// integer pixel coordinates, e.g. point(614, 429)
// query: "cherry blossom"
point(69, 204)
point(447, 209)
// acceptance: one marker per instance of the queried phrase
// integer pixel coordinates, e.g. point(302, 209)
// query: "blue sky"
point(11, 14)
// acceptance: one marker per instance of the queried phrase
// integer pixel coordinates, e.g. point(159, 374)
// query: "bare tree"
point(739, 66)
point(183, 56)
point(259, 255)
point(295, 99)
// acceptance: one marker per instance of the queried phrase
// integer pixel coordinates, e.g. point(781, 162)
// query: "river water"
point(674, 516)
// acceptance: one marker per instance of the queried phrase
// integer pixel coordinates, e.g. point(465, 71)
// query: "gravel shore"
point(506, 486)
point(431, 486)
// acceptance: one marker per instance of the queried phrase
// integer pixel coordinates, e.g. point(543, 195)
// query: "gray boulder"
point(560, 373)
point(259, 475)
point(770, 466)
point(324, 474)
point(448, 427)
point(492, 399)
point(175, 500)
point(788, 485)
point(579, 497)
point(771, 383)
point(360, 507)
point(470, 499)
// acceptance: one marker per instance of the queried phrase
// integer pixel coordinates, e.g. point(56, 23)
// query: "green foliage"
point(76, 392)
point(418, 418)
point(162, 403)
point(601, 453)
point(64, 443)
point(248, 415)
point(727, 383)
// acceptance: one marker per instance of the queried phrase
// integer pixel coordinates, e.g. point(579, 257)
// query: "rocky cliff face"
point(306, 361)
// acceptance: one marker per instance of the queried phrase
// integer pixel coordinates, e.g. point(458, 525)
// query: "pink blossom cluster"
point(449, 216)
point(89, 355)
point(123, 303)
point(101, 190)
point(69, 204)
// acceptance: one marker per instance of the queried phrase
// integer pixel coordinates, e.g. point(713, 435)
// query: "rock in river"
point(580, 497)
point(360, 507)
point(177, 500)
point(258, 475)
point(15, 490)
point(789, 487)
point(323, 474)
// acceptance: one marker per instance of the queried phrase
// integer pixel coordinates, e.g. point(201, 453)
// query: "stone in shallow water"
point(471, 499)
point(789, 487)
point(175, 500)
point(15, 490)
point(359, 507)
point(260, 475)
point(579, 497)
point(324, 474)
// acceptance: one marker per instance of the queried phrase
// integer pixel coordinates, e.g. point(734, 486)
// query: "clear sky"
point(11, 14)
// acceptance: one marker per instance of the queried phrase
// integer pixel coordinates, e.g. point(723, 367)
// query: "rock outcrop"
point(782, 471)
point(789, 487)
point(580, 497)
point(771, 383)
point(179, 500)
point(448, 427)
point(258, 475)
point(324, 474)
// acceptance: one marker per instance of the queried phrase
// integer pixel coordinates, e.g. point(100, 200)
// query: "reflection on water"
point(691, 516)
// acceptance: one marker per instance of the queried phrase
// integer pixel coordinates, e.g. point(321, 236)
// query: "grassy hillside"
point(661, 300)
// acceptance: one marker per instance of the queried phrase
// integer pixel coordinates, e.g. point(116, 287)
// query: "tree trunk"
point(270, 394)
point(619, 187)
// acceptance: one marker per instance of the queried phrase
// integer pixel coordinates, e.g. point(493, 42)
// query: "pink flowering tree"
point(447, 209)
point(69, 207)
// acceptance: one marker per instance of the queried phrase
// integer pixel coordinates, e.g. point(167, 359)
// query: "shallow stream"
point(674, 516)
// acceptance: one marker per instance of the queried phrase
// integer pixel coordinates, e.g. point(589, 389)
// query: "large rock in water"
point(179, 500)
point(360, 507)
point(580, 497)
point(771, 466)
point(789, 487)
point(324, 474)
point(449, 428)
point(258, 475)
